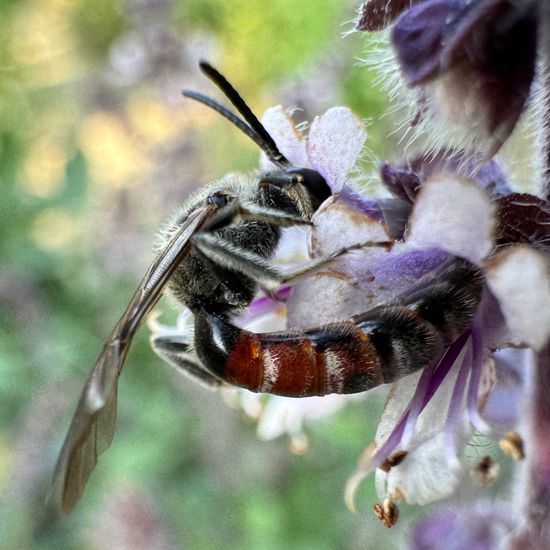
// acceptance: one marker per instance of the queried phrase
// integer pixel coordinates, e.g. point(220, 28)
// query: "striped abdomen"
point(379, 346)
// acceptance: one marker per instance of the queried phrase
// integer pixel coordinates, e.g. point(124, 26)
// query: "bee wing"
point(93, 424)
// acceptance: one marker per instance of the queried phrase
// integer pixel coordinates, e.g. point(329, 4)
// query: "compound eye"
point(219, 199)
point(315, 184)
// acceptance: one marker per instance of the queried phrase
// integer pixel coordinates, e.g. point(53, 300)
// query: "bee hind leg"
point(176, 351)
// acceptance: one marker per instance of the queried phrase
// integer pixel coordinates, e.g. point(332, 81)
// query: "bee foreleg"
point(226, 254)
point(236, 211)
point(271, 216)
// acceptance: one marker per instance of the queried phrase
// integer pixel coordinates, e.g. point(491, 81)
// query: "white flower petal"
point(286, 415)
point(454, 215)
point(399, 397)
point(281, 128)
point(424, 476)
point(334, 144)
point(518, 277)
point(336, 225)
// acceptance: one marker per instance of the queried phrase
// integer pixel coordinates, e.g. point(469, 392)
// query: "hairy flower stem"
point(535, 533)
point(544, 65)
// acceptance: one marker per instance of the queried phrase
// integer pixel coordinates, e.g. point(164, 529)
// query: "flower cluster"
point(472, 65)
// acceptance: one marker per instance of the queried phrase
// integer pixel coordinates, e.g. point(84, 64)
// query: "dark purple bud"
point(402, 182)
point(419, 38)
point(375, 15)
point(523, 218)
point(392, 213)
point(488, 48)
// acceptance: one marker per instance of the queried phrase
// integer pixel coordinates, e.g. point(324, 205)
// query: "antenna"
point(251, 126)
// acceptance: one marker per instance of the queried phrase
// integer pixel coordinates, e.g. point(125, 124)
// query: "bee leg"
point(233, 258)
point(224, 253)
point(236, 211)
point(175, 350)
point(272, 216)
point(315, 265)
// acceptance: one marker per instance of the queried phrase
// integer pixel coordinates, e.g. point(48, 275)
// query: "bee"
point(213, 257)
point(214, 254)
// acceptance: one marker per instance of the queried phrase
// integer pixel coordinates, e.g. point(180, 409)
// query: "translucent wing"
point(93, 424)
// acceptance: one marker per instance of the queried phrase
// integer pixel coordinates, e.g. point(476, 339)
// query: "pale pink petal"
point(518, 277)
point(454, 215)
point(332, 293)
point(281, 128)
point(334, 144)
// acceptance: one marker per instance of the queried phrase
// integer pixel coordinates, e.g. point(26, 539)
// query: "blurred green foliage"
point(95, 149)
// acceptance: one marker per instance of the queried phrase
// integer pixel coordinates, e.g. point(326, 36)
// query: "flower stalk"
point(544, 65)
point(535, 531)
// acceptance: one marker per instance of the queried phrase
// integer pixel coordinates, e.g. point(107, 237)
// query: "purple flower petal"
point(403, 267)
point(481, 528)
point(402, 182)
point(265, 305)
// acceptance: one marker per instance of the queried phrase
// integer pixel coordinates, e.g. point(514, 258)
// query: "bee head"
point(314, 183)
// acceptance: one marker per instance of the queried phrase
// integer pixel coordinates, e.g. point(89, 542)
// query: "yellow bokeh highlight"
point(113, 153)
point(54, 229)
point(41, 42)
point(44, 168)
point(153, 121)
point(5, 461)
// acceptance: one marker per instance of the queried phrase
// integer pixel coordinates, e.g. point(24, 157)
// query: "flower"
point(429, 416)
point(445, 209)
point(472, 67)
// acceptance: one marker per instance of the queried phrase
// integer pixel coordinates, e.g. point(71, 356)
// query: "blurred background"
point(97, 147)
